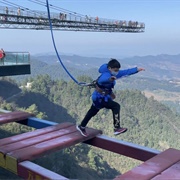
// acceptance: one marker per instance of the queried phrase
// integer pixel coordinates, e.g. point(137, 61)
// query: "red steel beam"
point(154, 167)
point(59, 131)
point(20, 137)
point(31, 171)
point(14, 116)
point(172, 172)
point(30, 148)
point(121, 147)
point(64, 141)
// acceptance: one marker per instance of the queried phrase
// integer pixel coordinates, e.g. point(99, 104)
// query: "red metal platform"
point(28, 146)
point(165, 165)
point(122, 147)
point(14, 116)
point(15, 151)
point(30, 171)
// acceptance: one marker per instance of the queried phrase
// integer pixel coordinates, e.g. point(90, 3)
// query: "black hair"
point(114, 63)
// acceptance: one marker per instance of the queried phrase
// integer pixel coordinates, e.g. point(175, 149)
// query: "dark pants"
point(114, 106)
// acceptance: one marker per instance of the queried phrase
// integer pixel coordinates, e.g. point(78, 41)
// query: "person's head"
point(114, 66)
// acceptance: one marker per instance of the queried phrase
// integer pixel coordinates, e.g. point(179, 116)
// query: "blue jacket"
point(104, 82)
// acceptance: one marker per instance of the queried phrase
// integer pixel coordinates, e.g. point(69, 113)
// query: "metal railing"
point(6, 14)
point(15, 58)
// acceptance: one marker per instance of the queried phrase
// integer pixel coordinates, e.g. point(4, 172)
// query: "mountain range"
point(161, 67)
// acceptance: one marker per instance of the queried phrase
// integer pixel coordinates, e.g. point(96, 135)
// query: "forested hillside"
point(8, 87)
point(159, 70)
point(149, 123)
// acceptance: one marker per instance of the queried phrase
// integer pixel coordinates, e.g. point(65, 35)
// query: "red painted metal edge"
point(14, 116)
point(55, 144)
point(29, 170)
point(121, 147)
point(38, 132)
point(172, 172)
point(154, 166)
point(35, 139)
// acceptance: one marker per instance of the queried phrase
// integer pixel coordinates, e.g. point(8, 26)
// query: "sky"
point(161, 36)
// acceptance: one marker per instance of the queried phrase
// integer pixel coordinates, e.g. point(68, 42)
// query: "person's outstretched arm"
point(128, 72)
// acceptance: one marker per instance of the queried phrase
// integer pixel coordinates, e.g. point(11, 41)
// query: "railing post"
point(16, 58)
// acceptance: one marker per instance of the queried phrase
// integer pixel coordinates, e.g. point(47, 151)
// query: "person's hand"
point(141, 69)
point(112, 78)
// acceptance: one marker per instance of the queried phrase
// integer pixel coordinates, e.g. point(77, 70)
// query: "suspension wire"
point(33, 1)
point(56, 8)
point(22, 7)
point(42, 4)
point(16, 5)
point(7, 3)
point(50, 24)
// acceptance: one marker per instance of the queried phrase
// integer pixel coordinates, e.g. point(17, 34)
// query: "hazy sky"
point(161, 36)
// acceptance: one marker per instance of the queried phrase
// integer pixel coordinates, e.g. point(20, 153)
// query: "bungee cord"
point(52, 36)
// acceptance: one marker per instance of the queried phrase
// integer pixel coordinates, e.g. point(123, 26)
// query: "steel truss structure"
point(39, 21)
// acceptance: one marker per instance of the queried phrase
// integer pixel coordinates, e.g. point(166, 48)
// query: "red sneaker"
point(119, 130)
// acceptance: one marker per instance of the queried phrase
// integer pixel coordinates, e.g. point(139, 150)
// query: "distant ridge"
point(162, 67)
